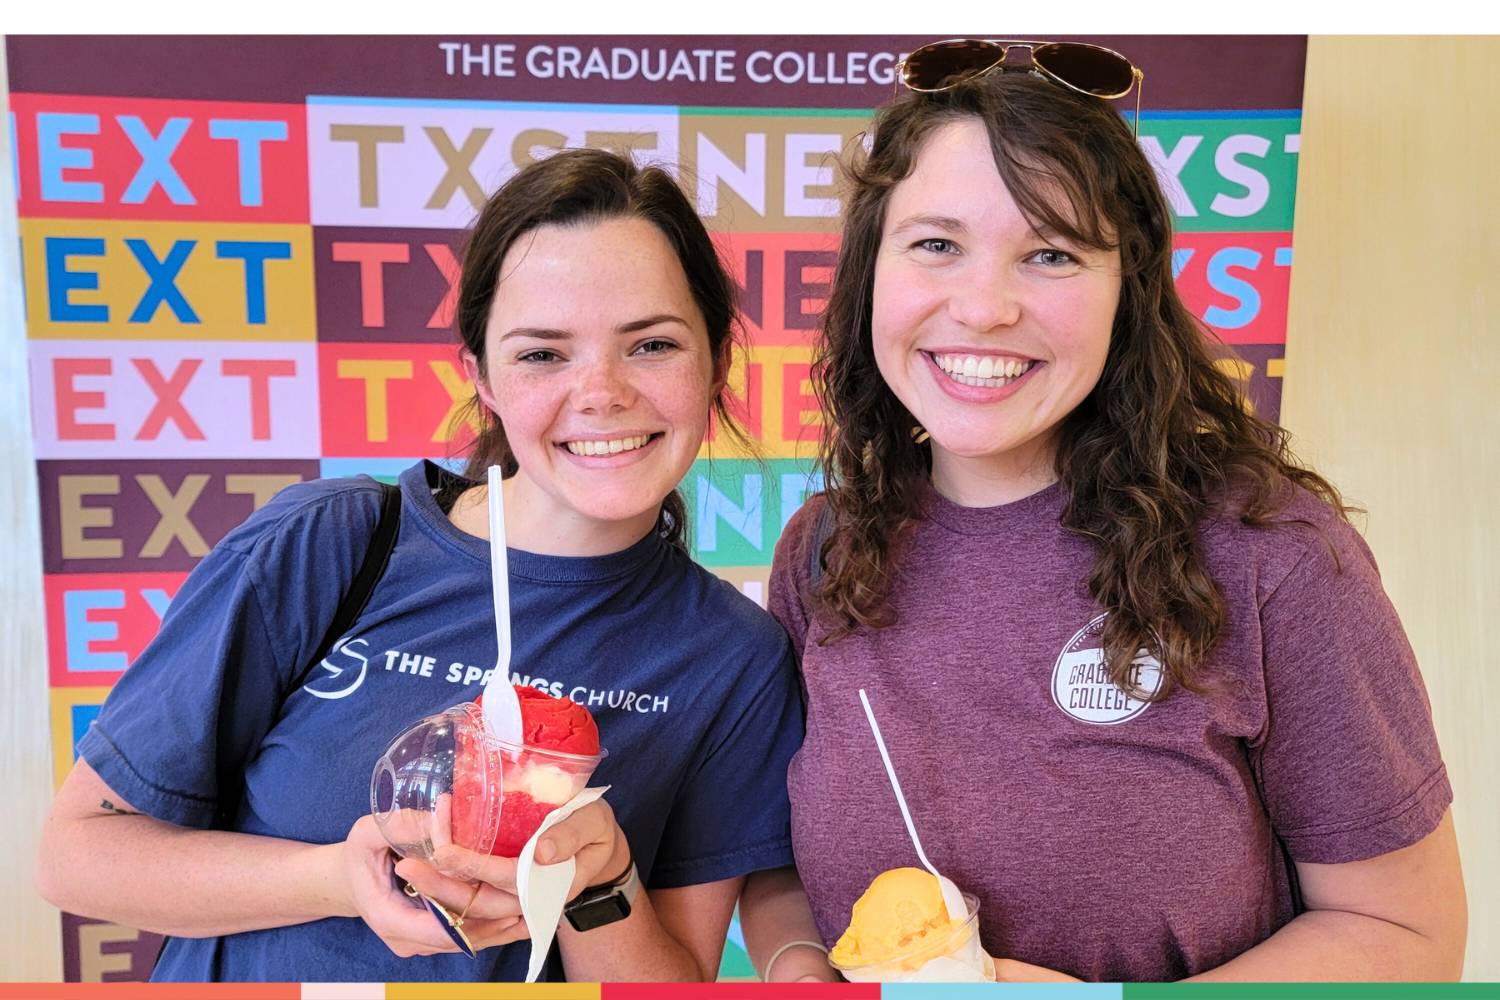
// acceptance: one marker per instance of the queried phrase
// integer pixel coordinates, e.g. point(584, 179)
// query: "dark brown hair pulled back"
point(584, 187)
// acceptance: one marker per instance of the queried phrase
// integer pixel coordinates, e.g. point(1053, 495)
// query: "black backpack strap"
point(822, 531)
point(369, 574)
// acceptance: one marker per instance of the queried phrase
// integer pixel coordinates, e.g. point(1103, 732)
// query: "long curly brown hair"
point(1164, 439)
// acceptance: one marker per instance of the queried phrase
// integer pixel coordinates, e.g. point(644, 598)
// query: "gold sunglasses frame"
point(1137, 75)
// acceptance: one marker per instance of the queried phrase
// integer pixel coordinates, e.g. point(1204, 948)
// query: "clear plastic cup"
point(955, 956)
point(446, 782)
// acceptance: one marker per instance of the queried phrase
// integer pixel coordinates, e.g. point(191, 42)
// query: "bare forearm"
point(1335, 945)
point(141, 872)
point(773, 913)
point(636, 949)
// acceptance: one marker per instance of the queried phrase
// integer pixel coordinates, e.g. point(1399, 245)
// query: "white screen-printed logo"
point(1081, 686)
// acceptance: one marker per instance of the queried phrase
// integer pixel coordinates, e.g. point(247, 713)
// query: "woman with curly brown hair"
point(1147, 698)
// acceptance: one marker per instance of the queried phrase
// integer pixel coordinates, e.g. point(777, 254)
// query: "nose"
point(990, 299)
point(603, 387)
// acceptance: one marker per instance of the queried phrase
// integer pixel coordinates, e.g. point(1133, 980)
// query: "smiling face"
point(597, 363)
point(989, 332)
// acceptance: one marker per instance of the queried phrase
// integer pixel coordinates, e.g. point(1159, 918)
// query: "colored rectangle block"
point(752, 172)
point(343, 991)
point(770, 395)
point(741, 991)
point(737, 508)
point(139, 158)
point(1312, 991)
point(1226, 174)
point(102, 958)
point(1237, 283)
point(98, 623)
point(119, 986)
point(117, 280)
point(1260, 368)
point(386, 285)
point(492, 991)
point(174, 399)
point(72, 710)
point(782, 281)
point(754, 583)
point(433, 165)
point(1000, 991)
point(150, 516)
point(394, 400)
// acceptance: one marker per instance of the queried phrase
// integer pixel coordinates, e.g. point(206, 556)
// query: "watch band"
point(604, 904)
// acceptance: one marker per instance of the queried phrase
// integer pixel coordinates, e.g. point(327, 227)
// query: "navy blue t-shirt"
point(692, 685)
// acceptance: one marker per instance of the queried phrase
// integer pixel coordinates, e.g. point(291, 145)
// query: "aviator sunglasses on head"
point(1088, 69)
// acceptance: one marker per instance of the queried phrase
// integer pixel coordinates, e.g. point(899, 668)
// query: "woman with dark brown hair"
point(1146, 697)
point(223, 796)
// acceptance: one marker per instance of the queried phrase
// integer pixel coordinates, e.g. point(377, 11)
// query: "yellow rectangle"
point(63, 699)
point(492, 991)
point(758, 384)
point(105, 279)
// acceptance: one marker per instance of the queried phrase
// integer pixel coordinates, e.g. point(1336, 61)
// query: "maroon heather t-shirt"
point(1107, 838)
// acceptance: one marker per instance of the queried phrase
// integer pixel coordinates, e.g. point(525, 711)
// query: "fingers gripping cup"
point(447, 782)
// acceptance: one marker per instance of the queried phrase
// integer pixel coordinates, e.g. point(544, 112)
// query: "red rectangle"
point(98, 623)
point(782, 282)
point(139, 158)
point(1237, 283)
point(393, 400)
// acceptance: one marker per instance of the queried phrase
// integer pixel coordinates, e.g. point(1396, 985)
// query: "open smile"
point(599, 452)
point(981, 378)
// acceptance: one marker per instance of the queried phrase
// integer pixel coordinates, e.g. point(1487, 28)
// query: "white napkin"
point(544, 888)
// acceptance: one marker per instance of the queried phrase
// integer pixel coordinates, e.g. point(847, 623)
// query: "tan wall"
point(1393, 373)
point(30, 935)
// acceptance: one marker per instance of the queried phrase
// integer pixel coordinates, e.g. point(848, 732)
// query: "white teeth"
point(983, 367)
point(985, 372)
point(607, 447)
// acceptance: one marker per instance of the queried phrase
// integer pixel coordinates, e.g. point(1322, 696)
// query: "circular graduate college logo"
point(1081, 686)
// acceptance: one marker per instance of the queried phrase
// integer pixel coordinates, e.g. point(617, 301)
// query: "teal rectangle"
point(737, 508)
point(1000, 991)
point(1312, 991)
point(387, 470)
point(1234, 174)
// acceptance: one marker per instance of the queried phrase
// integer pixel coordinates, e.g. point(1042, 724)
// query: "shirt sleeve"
point(175, 734)
point(733, 815)
point(789, 591)
point(1349, 761)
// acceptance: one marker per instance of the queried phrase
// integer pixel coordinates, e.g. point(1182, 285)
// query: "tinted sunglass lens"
point(1087, 67)
point(944, 64)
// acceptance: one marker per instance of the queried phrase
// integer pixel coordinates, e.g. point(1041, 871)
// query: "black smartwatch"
point(604, 904)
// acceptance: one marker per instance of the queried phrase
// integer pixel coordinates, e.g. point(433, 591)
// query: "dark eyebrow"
point(634, 326)
point(944, 222)
point(536, 333)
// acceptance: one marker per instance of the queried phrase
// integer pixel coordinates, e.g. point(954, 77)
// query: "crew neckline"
point(987, 520)
point(418, 484)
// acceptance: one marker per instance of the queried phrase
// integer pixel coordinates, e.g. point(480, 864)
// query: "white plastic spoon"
point(953, 900)
point(502, 709)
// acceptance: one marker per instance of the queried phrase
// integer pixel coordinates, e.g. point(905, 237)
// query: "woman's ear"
point(722, 364)
point(475, 372)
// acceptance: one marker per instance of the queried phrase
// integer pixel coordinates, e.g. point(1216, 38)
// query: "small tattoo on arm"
point(109, 806)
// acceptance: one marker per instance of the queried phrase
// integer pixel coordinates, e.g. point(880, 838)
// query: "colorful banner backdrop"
point(240, 257)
